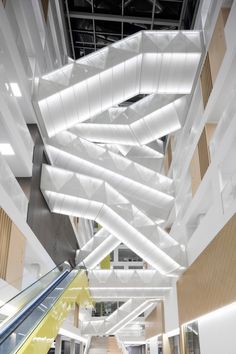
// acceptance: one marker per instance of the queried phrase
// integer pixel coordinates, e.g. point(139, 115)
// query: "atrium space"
point(117, 176)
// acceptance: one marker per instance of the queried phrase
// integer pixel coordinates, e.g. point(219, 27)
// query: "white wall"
point(217, 331)
point(153, 345)
point(171, 310)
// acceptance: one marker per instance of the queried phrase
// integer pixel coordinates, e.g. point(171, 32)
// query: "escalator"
point(31, 320)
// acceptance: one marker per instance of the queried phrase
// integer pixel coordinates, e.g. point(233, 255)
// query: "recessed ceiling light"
point(15, 89)
point(6, 149)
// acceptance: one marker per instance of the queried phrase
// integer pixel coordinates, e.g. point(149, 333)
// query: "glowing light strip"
point(69, 334)
point(218, 312)
point(126, 321)
point(128, 297)
point(130, 288)
point(174, 332)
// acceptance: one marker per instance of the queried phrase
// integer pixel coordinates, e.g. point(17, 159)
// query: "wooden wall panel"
point(210, 129)
point(5, 235)
point(154, 323)
point(194, 170)
point(76, 316)
point(209, 283)
point(225, 13)
point(166, 344)
point(166, 164)
point(169, 151)
point(168, 155)
point(201, 157)
point(112, 346)
point(206, 81)
point(45, 4)
point(16, 257)
point(203, 153)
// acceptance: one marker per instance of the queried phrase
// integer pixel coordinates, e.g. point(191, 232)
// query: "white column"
point(72, 346)
point(58, 345)
point(81, 348)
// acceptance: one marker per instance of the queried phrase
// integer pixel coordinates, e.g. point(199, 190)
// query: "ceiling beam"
point(182, 14)
point(70, 31)
point(125, 19)
point(83, 31)
point(122, 23)
point(153, 14)
point(94, 30)
point(195, 14)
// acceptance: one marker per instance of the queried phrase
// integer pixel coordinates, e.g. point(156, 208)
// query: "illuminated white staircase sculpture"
point(83, 196)
point(91, 181)
point(162, 62)
point(118, 319)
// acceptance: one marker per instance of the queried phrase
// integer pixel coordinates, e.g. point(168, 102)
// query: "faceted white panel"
point(118, 319)
point(130, 179)
point(162, 62)
point(79, 195)
point(80, 109)
point(141, 123)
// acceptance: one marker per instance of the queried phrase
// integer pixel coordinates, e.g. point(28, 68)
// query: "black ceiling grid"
point(94, 24)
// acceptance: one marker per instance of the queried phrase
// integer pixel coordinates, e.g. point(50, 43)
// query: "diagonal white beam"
point(110, 160)
point(94, 251)
point(126, 313)
point(147, 190)
point(130, 316)
point(73, 194)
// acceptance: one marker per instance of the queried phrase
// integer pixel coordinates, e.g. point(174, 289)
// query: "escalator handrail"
point(31, 285)
point(16, 320)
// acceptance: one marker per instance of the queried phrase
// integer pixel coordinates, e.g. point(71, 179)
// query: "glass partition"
point(174, 345)
point(191, 337)
point(13, 306)
point(24, 329)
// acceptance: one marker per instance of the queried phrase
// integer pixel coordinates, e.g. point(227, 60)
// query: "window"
point(174, 345)
point(191, 335)
point(126, 255)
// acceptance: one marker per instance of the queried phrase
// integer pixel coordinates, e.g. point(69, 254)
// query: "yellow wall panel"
point(43, 336)
point(105, 263)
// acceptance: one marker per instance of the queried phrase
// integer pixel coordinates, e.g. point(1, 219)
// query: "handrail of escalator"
point(23, 313)
point(34, 283)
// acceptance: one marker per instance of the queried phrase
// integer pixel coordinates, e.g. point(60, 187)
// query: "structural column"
point(58, 345)
point(72, 346)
